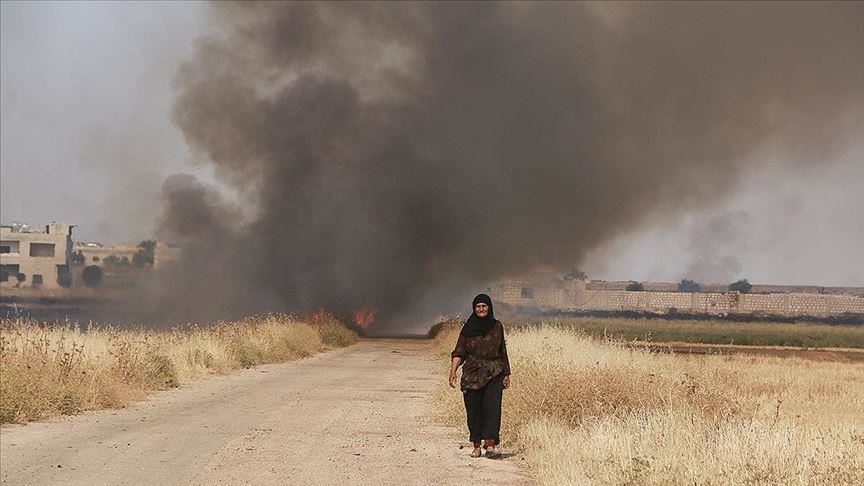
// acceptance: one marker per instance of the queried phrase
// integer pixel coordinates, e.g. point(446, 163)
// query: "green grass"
point(804, 335)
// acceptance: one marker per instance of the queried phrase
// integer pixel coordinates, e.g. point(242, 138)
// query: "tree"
point(635, 287)
point(112, 260)
point(575, 274)
point(145, 254)
point(687, 285)
point(742, 286)
point(64, 276)
point(92, 276)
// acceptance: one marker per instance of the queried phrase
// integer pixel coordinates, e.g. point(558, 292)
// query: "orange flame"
point(365, 316)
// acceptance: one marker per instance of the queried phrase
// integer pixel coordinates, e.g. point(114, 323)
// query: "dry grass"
point(799, 334)
point(50, 370)
point(596, 412)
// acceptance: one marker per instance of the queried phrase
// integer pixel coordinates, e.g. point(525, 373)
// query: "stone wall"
point(574, 296)
point(716, 287)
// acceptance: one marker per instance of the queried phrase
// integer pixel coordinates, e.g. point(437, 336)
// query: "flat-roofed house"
point(31, 258)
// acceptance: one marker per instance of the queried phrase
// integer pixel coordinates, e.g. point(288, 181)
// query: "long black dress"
point(485, 364)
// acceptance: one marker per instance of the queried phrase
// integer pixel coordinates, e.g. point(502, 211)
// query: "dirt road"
point(353, 416)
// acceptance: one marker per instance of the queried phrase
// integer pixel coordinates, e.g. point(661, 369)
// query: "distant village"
point(36, 259)
point(49, 258)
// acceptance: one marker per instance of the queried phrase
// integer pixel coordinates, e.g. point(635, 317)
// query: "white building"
point(40, 259)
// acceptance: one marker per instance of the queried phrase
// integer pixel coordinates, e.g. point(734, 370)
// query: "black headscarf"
point(477, 326)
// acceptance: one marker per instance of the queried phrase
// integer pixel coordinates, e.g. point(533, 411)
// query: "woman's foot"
point(492, 453)
point(476, 452)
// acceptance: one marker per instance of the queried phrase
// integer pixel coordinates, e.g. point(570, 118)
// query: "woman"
point(482, 352)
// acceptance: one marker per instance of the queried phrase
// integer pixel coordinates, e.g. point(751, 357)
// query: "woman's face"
point(481, 309)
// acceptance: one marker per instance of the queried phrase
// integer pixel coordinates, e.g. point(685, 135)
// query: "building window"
point(42, 249)
point(9, 246)
point(95, 259)
point(37, 280)
point(527, 292)
point(8, 272)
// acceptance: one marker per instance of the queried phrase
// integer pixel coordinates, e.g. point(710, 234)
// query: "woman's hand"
point(507, 381)
point(454, 365)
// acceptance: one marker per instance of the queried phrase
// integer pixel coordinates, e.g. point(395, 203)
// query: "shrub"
point(160, 371)
point(443, 325)
point(575, 274)
point(635, 287)
point(145, 255)
point(335, 335)
point(64, 279)
point(742, 286)
point(686, 285)
point(112, 260)
point(92, 276)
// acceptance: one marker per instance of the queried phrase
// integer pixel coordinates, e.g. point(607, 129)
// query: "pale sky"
point(86, 138)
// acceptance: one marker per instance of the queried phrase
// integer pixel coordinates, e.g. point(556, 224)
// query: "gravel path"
point(358, 415)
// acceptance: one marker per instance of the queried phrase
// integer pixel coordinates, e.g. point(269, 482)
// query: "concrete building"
point(96, 254)
point(32, 258)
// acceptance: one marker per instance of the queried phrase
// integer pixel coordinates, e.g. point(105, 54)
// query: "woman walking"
point(482, 352)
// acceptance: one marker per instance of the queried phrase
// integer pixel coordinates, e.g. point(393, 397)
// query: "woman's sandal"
point(493, 454)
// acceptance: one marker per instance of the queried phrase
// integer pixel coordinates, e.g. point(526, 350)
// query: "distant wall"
point(574, 296)
point(722, 288)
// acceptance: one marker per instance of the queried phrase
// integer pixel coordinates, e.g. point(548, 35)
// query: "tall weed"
point(47, 370)
point(585, 411)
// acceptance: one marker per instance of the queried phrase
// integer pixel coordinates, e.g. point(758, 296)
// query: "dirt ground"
point(359, 415)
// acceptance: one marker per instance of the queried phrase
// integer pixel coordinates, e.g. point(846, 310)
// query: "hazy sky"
point(87, 139)
point(86, 92)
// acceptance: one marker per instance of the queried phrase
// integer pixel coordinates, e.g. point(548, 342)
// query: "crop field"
point(48, 370)
point(583, 410)
point(801, 334)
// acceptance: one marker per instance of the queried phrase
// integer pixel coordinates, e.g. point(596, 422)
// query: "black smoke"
point(400, 154)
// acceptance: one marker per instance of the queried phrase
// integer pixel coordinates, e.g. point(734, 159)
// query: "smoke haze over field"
point(85, 88)
point(401, 154)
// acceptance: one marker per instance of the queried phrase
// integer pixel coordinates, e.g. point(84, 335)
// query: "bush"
point(116, 261)
point(575, 274)
point(146, 253)
point(635, 287)
point(742, 286)
point(335, 335)
point(92, 276)
point(686, 285)
point(443, 325)
point(64, 279)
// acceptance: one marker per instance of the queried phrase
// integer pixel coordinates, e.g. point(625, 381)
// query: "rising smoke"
point(400, 155)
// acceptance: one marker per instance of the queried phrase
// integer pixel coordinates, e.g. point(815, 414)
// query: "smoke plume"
point(398, 155)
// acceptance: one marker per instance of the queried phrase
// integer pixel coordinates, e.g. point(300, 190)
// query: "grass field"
point(50, 370)
point(589, 411)
point(805, 335)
